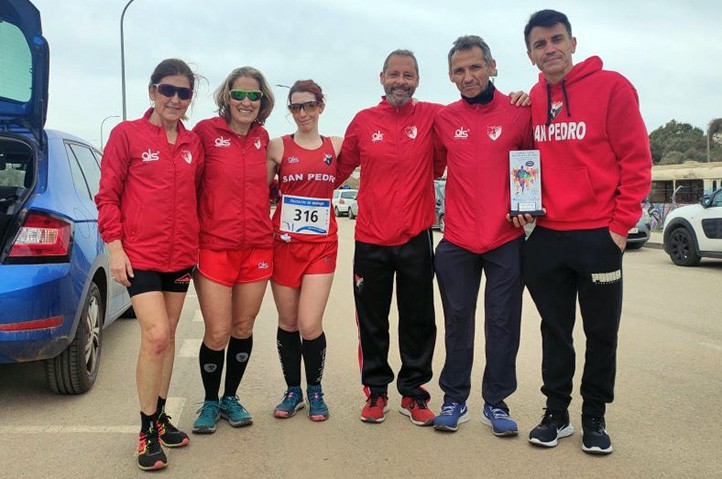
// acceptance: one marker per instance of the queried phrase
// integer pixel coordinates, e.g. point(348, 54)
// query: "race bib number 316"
point(303, 215)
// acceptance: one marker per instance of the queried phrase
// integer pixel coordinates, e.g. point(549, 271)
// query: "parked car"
point(342, 200)
point(55, 289)
point(695, 231)
point(640, 234)
point(440, 193)
point(353, 210)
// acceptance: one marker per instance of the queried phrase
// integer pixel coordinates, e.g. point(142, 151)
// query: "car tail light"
point(42, 236)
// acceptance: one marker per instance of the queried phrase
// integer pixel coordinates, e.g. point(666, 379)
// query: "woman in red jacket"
point(236, 255)
point(147, 216)
point(304, 249)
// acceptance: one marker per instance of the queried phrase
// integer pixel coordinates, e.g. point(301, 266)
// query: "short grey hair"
point(467, 42)
point(401, 53)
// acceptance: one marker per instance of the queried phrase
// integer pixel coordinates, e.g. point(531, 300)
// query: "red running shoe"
point(375, 409)
point(417, 410)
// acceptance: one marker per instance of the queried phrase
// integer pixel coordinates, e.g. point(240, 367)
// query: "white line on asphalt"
point(174, 408)
point(198, 316)
point(190, 348)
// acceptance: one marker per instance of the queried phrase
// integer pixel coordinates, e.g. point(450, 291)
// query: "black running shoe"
point(554, 425)
point(150, 454)
point(595, 439)
point(169, 435)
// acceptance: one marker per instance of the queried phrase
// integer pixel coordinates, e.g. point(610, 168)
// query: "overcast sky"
point(670, 50)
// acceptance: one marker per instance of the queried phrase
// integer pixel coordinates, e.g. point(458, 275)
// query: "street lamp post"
point(101, 128)
point(122, 56)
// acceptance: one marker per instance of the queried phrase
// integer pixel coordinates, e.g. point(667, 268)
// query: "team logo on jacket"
point(493, 131)
point(328, 159)
point(150, 155)
point(411, 132)
point(556, 108)
point(187, 156)
point(461, 134)
point(263, 265)
point(376, 137)
point(292, 159)
point(257, 143)
point(221, 142)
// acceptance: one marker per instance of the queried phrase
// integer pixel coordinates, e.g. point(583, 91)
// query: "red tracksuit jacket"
point(234, 208)
point(396, 149)
point(147, 196)
point(595, 158)
point(477, 140)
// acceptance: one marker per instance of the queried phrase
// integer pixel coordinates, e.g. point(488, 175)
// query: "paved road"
point(665, 422)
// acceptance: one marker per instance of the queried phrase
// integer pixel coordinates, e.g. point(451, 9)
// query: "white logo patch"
point(150, 155)
point(210, 368)
point(411, 132)
point(494, 132)
point(376, 137)
point(242, 357)
point(461, 133)
point(257, 144)
point(187, 156)
point(263, 265)
point(606, 278)
point(292, 159)
point(222, 142)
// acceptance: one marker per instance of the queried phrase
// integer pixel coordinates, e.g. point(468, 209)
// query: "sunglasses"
point(252, 95)
point(171, 90)
point(308, 106)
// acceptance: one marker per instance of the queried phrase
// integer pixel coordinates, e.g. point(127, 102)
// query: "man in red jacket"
point(477, 133)
point(393, 143)
point(596, 169)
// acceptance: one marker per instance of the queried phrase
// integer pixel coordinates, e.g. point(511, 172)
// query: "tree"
point(686, 141)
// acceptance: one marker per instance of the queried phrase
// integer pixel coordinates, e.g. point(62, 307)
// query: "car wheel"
point(681, 248)
point(350, 214)
point(336, 211)
point(441, 223)
point(74, 370)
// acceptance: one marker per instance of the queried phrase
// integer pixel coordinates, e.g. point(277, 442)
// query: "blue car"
point(56, 295)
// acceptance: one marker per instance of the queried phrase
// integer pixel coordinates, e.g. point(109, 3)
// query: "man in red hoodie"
point(393, 142)
point(477, 133)
point(596, 169)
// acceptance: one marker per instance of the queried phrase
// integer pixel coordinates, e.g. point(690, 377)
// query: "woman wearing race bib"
point(236, 245)
point(304, 247)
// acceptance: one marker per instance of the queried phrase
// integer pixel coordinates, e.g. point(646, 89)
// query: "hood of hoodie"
point(578, 71)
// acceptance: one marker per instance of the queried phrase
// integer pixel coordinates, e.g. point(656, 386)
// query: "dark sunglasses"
point(308, 106)
point(171, 90)
point(252, 95)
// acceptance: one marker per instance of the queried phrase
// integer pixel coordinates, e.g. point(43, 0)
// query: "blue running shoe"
point(292, 402)
point(236, 414)
point(452, 414)
point(317, 409)
point(501, 423)
point(208, 416)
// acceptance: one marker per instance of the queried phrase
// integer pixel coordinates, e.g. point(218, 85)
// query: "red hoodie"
point(595, 157)
point(477, 139)
point(395, 147)
point(147, 196)
point(234, 207)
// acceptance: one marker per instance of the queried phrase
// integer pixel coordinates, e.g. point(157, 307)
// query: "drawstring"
point(549, 101)
point(566, 98)
point(549, 104)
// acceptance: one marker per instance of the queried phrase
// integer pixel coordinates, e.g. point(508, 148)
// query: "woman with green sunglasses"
point(236, 255)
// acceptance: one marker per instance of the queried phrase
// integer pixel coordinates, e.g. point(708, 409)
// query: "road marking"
point(190, 348)
point(174, 407)
point(198, 316)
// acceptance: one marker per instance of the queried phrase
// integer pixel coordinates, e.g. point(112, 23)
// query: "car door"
point(709, 225)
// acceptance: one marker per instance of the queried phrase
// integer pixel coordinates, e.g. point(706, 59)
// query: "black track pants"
point(374, 270)
point(558, 267)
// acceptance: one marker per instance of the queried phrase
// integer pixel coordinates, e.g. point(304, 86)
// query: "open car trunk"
point(17, 177)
